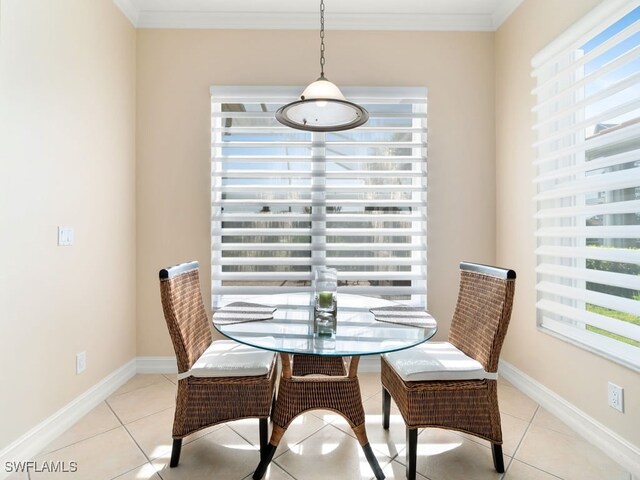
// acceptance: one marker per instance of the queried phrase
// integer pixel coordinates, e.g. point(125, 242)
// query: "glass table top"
point(358, 332)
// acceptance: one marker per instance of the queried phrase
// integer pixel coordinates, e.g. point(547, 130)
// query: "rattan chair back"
point(184, 313)
point(482, 313)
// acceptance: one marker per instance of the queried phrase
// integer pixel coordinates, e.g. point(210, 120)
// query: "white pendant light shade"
point(322, 88)
point(322, 108)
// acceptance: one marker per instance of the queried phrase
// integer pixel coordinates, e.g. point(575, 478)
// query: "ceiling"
point(416, 15)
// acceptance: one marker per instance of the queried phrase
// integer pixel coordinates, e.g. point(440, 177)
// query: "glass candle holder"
point(325, 300)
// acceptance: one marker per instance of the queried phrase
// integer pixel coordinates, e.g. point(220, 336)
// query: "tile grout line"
point(390, 462)
point(288, 450)
point(106, 401)
point(520, 443)
point(143, 453)
point(165, 376)
point(98, 434)
point(246, 440)
point(114, 413)
point(141, 387)
point(353, 435)
point(134, 468)
point(284, 469)
point(298, 443)
point(80, 441)
point(543, 471)
point(524, 434)
point(239, 434)
point(134, 441)
point(137, 419)
point(391, 458)
point(84, 439)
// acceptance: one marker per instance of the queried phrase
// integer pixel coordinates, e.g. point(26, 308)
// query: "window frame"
point(564, 276)
point(318, 143)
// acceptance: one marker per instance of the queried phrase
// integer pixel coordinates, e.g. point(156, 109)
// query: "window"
point(588, 183)
point(284, 201)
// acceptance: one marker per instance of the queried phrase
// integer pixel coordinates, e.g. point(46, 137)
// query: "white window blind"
point(284, 201)
point(588, 182)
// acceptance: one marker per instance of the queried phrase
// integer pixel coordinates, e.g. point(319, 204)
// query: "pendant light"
point(322, 106)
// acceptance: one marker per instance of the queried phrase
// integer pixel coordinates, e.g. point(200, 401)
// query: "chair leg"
point(264, 436)
point(412, 450)
point(175, 452)
point(386, 408)
point(373, 462)
point(498, 460)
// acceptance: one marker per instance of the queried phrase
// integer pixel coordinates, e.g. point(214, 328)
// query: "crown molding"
point(504, 11)
point(129, 9)
point(184, 19)
point(309, 21)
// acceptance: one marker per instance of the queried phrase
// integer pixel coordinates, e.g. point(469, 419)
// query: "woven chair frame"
point(484, 308)
point(478, 328)
point(186, 317)
point(202, 402)
point(206, 401)
point(469, 406)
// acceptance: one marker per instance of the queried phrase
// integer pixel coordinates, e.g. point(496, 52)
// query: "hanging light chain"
point(321, 38)
point(321, 107)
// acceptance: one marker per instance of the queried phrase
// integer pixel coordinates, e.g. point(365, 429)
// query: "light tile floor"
point(128, 437)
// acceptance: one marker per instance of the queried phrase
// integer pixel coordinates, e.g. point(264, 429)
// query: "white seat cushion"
point(436, 361)
point(226, 358)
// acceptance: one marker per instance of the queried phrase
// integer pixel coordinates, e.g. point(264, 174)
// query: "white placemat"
point(413, 316)
point(237, 312)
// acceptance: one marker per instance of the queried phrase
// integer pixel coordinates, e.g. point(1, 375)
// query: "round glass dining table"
point(291, 329)
point(320, 372)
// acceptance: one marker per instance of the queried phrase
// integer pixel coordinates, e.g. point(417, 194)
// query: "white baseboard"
point(31, 443)
point(620, 450)
point(156, 364)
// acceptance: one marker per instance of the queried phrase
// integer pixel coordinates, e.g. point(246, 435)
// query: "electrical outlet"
point(616, 397)
point(81, 362)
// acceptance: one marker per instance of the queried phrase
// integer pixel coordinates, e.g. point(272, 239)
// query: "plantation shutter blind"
point(285, 201)
point(588, 182)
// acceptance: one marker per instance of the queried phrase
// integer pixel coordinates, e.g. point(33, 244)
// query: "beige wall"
point(68, 102)
point(573, 373)
point(67, 157)
point(176, 69)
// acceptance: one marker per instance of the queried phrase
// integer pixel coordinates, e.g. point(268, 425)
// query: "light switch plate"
point(65, 236)
point(81, 362)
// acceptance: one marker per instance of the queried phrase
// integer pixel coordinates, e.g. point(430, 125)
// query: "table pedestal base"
point(297, 395)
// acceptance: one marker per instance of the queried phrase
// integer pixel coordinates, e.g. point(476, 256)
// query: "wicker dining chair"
point(218, 381)
point(453, 385)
